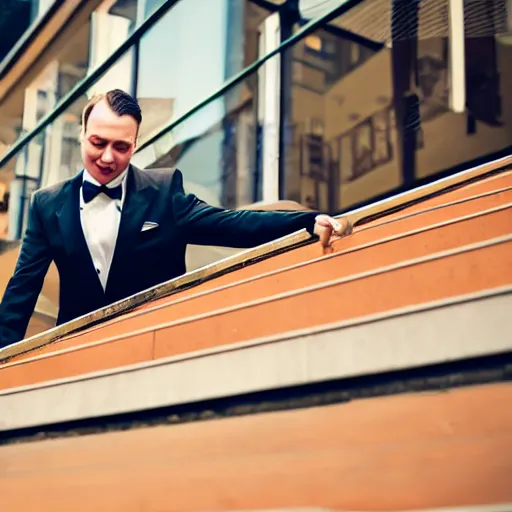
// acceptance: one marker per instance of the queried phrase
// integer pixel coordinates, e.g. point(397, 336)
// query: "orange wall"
point(38, 323)
point(3, 225)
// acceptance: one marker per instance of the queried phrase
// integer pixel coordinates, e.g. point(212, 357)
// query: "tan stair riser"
point(359, 238)
point(489, 185)
point(458, 274)
point(415, 246)
point(375, 208)
point(135, 349)
point(413, 451)
point(433, 280)
point(308, 253)
point(314, 251)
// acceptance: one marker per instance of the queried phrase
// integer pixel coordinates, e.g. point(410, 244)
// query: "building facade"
point(328, 103)
point(378, 96)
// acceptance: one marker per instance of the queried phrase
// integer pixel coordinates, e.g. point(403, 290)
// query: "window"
point(177, 72)
point(377, 80)
point(216, 149)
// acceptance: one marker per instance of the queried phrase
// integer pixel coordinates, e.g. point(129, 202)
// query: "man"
point(115, 230)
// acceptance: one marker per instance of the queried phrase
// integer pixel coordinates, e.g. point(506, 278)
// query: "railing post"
point(404, 38)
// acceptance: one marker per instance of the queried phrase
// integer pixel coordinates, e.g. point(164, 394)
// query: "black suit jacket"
point(142, 259)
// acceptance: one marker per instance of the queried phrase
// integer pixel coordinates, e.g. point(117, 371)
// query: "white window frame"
point(269, 107)
point(457, 56)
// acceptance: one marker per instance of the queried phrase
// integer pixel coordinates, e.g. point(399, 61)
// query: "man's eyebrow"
point(119, 141)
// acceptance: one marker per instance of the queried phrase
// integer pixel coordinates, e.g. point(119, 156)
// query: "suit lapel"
point(140, 193)
point(68, 217)
point(70, 227)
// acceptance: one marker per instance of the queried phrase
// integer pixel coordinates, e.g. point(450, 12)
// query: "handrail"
point(405, 199)
point(216, 269)
point(259, 301)
point(247, 257)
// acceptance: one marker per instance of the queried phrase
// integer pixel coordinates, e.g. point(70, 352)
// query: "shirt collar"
point(121, 179)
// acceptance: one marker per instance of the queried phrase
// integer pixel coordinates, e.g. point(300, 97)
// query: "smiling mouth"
point(104, 170)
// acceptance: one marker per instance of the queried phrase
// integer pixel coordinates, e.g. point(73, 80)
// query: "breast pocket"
point(149, 226)
point(148, 237)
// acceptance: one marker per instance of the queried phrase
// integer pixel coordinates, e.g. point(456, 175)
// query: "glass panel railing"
point(216, 149)
point(23, 173)
point(169, 74)
point(28, 103)
point(53, 155)
point(79, 49)
point(17, 18)
point(176, 72)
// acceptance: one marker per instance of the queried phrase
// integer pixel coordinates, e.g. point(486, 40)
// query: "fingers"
point(345, 227)
point(340, 227)
point(327, 226)
point(325, 234)
point(323, 220)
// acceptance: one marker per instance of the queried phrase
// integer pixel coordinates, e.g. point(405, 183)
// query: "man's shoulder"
point(161, 175)
point(165, 179)
point(51, 192)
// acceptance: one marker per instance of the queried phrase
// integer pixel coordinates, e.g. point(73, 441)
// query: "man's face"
point(108, 143)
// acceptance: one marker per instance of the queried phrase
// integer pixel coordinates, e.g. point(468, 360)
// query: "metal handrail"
point(232, 263)
point(187, 280)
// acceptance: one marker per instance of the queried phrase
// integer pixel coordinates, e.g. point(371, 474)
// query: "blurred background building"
point(360, 99)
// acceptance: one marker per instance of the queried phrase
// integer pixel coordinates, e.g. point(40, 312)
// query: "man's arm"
point(21, 294)
point(206, 225)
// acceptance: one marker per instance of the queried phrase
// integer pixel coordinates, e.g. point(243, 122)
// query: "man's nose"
point(107, 156)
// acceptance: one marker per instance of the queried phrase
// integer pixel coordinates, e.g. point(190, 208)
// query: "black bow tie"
point(90, 191)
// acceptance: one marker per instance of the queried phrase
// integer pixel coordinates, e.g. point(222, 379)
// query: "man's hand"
point(329, 229)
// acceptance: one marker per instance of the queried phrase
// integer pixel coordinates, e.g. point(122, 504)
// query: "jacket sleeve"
point(23, 289)
point(203, 224)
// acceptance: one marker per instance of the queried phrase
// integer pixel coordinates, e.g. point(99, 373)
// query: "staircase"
point(375, 377)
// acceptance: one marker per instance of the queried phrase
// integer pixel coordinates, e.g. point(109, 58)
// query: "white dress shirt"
point(100, 219)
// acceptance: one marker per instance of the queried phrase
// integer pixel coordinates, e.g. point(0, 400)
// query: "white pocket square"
point(149, 225)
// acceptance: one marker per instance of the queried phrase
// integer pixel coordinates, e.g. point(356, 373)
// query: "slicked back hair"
point(119, 101)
